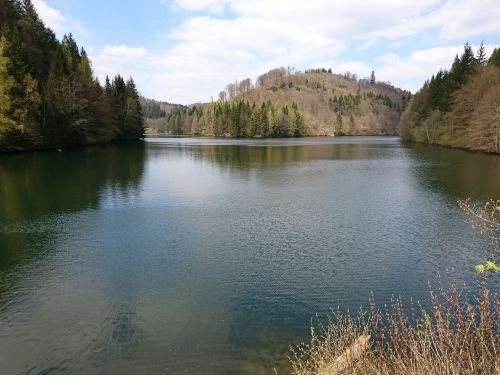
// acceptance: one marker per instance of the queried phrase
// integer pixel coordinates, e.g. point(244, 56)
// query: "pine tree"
point(495, 58)
point(372, 78)
point(85, 68)
point(481, 55)
point(339, 130)
point(71, 51)
point(48, 95)
point(467, 62)
point(134, 121)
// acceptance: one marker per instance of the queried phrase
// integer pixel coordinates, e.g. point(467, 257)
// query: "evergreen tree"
point(481, 55)
point(48, 94)
point(372, 78)
point(134, 120)
point(494, 59)
point(455, 107)
point(339, 129)
point(467, 64)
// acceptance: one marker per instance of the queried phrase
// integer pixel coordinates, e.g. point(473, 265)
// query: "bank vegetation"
point(459, 333)
point(459, 107)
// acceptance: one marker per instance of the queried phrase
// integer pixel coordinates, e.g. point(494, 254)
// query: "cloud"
point(360, 68)
point(210, 51)
point(413, 70)
point(59, 23)
point(124, 60)
point(214, 6)
point(51, 16)
point(214, 42)
point(124, 52)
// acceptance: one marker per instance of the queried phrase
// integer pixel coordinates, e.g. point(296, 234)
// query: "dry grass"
point(457, 335)
point(485, 218)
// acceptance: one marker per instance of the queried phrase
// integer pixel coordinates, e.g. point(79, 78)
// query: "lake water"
point(211, 256)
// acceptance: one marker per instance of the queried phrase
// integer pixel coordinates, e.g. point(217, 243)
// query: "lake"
point(211, 256)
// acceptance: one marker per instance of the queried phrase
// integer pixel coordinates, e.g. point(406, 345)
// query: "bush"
point(458, 335)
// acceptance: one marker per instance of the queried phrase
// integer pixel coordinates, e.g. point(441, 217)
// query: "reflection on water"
point(210, 256)
point(47, 184)
point(456, 173)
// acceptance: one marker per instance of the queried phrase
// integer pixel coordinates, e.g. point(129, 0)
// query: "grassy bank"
point(458, 334)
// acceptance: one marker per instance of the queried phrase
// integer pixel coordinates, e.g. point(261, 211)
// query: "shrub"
point(457, 335)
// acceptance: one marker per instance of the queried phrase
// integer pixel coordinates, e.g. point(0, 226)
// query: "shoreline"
point(70, 147)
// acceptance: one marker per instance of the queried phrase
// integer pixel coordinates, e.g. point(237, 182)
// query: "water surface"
point(211, 256)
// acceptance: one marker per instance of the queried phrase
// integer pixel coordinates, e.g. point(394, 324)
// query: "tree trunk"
point(346, 359)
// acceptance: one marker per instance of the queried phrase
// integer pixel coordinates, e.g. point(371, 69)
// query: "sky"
point(187, 51)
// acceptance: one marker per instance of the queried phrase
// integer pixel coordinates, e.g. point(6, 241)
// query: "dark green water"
point(206, 256)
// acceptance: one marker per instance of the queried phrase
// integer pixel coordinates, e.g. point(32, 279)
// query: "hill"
point(286, 103)
point(459, 107)
point(155, 113)
point(49, 96)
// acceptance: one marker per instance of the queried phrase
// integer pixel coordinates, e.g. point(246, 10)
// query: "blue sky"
point(186, 51)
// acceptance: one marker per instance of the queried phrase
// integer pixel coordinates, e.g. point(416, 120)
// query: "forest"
point(49, 96)
point(288, 103)
point(459, 107)
point(239, 118)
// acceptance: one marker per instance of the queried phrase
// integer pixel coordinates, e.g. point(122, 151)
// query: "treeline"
point(283, 102)
point(238, 118)
point(459, 107)
point(152, 109)
point(49, 96)
point(348, 103)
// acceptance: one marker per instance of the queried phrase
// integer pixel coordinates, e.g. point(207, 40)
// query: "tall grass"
point(458, 334)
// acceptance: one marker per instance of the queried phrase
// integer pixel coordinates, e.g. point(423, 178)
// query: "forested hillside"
point(49, 96)
point(459, 107)
point(284, 103)
point(155, 113)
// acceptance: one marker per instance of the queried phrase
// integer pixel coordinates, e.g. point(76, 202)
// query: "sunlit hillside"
point(287, 103)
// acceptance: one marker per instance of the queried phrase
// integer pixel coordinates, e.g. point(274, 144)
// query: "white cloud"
point(464, 19)
point(360, 68)
point(51, 16)
point(59, 23)
point(124, 60)
point(124, 52)
point(413, 70)
point(215, 6)
point(210, 51)
point(227, 40)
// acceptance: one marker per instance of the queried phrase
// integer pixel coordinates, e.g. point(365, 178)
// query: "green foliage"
point(346, 104)
point(490, 266)
point(339, 129)
point(238, 118)
point(457, 334)
point(427, 118)
point(495, 58)
point(485, 218)
point(7, 84)
point(487, 267)
point(481, 55)
point(152, 109)
point(48, 94)
point(480, 268)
